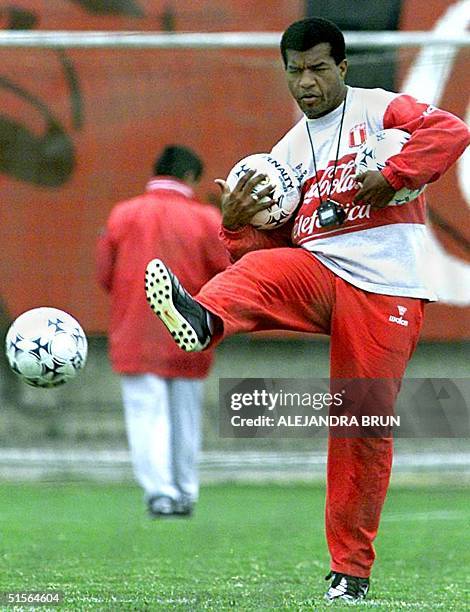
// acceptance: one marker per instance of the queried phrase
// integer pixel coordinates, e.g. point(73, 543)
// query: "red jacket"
point(165, 222)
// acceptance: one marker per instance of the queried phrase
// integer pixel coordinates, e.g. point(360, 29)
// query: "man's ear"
point(343, 68)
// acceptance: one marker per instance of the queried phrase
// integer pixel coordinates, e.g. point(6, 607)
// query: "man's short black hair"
point(306, 33)
point(177, 161)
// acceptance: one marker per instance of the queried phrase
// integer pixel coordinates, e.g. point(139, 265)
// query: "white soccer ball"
point(375, 151)
point(284, 180)
point(46, 347)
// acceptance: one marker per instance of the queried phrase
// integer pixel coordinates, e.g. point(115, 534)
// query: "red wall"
point(132, 103)
point(449, 215)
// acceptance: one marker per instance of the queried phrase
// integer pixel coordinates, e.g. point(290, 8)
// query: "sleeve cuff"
point(234, 234)
point(391, 178)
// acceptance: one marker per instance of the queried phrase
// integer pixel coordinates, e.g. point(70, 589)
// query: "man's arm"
point(438, 138)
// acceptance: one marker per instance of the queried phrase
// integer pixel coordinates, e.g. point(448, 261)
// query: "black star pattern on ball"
point(366, 154)
point(277, 217)
point(77, 335)
point(243, 170)
point(14, 345)
point(57, 324)
point(39, 345)
point(52, 370)
point(77, 360)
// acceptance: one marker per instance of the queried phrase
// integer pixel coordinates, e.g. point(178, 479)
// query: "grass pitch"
point(250, 547)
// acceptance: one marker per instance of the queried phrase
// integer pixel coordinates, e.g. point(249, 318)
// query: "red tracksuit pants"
point(289, 289)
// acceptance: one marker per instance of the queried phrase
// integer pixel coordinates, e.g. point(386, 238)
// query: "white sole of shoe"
point(159, 291)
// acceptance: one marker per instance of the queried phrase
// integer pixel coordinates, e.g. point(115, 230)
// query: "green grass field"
point(249, 547)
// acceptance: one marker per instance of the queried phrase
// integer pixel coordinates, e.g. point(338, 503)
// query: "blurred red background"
point(96, 119)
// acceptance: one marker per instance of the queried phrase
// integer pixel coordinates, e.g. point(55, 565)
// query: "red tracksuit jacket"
point(166, 222)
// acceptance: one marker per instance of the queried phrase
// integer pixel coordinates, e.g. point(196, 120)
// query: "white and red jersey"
point(376, 250)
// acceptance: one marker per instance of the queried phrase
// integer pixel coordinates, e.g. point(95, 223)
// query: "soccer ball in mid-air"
point(46, 347)
point(375, 151)
point(283, 179)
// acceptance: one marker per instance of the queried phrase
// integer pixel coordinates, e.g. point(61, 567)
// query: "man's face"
point(315, 81)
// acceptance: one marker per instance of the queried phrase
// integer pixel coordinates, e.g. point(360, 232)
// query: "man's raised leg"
point(284, 288)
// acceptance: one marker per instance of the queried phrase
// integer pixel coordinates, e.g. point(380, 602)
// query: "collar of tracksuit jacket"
point(169, 183)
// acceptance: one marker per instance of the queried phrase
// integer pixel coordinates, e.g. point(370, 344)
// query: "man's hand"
point(375, 189)
point(241, 205)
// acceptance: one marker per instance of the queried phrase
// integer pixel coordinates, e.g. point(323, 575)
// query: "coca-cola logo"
point(333, 181)
point(338, 182)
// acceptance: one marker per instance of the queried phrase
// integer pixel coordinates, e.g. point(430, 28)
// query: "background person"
point(348, 281)
point(161, 386)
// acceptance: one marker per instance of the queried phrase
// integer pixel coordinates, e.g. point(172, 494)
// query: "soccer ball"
point(375, 151)
point(284, 180)
point(46, 347)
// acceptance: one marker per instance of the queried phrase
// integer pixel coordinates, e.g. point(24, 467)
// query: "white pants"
point(163, 428)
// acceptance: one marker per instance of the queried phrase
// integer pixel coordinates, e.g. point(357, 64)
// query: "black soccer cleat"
point(346, 588)
point(185, 319)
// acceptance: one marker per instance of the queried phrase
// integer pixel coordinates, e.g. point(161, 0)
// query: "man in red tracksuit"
point(161, 386)
point(356, 279)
